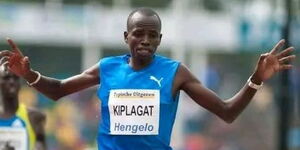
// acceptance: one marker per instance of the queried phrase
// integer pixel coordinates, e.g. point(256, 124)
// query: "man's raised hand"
point(16, 61)
point(273, 62)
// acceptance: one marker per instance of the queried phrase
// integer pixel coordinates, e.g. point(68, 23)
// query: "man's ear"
point(126, 37)
point(160, 36)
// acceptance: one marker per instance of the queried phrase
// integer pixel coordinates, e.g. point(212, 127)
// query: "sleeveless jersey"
point(137, 106)
point(13, 134)
point(23, 114)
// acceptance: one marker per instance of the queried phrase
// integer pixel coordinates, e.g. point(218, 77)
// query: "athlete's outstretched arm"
point(52, 88)
point(55, 89)
point(268, 64)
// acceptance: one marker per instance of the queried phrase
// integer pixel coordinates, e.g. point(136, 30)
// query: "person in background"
point(21, 127)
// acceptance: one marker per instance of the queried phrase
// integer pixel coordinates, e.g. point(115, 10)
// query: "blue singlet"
point(128, 101)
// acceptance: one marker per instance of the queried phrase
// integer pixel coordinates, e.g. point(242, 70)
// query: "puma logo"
point(156, 80)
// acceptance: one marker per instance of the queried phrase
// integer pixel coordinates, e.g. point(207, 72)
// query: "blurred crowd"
point(71, 122)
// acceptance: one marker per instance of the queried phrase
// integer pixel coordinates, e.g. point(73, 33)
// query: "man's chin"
point(145, 58)
point(11, 94)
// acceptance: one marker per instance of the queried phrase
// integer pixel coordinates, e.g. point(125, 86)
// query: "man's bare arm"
point(52, 88)
point(227, 110)
point(55, 89)
point(267, 65)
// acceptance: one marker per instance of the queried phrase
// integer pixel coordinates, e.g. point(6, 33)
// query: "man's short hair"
point(145, 12)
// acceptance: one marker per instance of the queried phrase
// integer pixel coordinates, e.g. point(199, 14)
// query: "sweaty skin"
point(143, 36)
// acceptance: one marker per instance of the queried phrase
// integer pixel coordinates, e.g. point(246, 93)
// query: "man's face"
point(9, 83)
point(143, 35)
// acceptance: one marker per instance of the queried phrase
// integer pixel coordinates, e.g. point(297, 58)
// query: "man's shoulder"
point(163, 60)
point(112, 59)
point(35, 114)
point(115, 57)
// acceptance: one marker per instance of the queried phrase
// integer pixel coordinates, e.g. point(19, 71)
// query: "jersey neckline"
point(126, 58)
point(9, 119)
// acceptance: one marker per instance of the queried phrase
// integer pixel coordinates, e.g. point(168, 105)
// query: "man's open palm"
point(274, 61)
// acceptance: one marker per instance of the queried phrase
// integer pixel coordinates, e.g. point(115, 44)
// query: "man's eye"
point(138, 34)
point(154, 35)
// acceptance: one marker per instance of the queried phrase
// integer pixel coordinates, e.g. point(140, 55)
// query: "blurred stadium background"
point(219, 40)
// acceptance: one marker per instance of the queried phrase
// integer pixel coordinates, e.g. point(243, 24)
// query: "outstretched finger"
point(262, 58)
point(287, 59)
point(14, 46)
point(3, 60)
point(285, 52)
point(4, 66)
point(278, 46)
point(4, 53)
point(285, 67)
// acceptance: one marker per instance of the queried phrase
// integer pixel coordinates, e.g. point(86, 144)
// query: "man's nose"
point(146, 41)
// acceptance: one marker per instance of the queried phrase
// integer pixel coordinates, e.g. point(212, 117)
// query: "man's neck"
point(138, 64)
point(10, 107)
